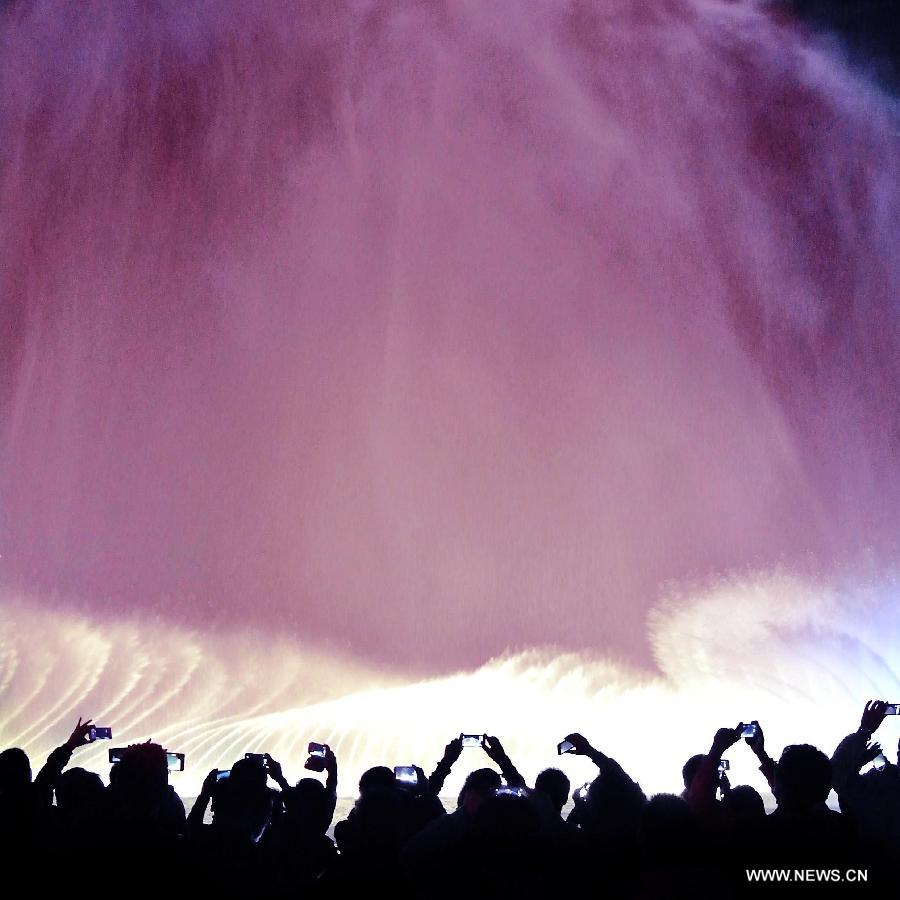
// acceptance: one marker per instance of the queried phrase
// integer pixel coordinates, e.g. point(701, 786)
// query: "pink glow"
point(426, 330)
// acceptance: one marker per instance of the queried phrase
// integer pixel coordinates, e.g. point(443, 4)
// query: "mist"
point(417, 335)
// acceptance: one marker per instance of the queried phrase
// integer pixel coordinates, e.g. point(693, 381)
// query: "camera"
point(316, 761)
point(100, 733)
point(880, 762)
point(892, 709)
point(564, 747)
point(406, 776)
point(472, 740)
point(724, 765)
point(749, 730)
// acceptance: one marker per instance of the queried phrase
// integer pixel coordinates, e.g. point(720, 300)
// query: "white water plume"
point(800, 657)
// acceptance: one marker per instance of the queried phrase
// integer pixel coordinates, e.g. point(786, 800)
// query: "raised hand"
point(453, 750)
point(209, 782)
point(873, 715)
point(581, 746)
point(871, 751)
point(273, 768)
point(81, 734)
point(725, 738)
point(494, 749)
point(757, 744)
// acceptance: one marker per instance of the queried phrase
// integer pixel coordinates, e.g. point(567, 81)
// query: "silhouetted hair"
point(689, 769)
point(79, 791)
point(15, 769)
point(376, 777)
point(744, 807)
point(306, 806)
point(802, 776)
point(555, 784)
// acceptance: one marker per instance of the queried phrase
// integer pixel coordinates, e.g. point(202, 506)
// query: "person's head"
point(802, 778)
point(242, 803)
point(381, 820)
point(668, 831)
point(554, 784)
point(478, 786)
point(743, 808)
point(376, 777)
point(249, 773)
point(79, 794)
point(141, 781)
point(613, 806)
point(15, 771)
point(306, 807)
point(689, 769)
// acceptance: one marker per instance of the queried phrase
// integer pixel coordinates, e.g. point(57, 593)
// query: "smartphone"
point(175, 761)
point(749, 730)
point(724, 765)
point(406, 776)
point(100, 733)
point(222, 774)
point(507, 791)
point(115, 755)
point(317, 749)
point(880, 762)
point(472, 740)
point(259, 757)
point(892, 709)
point(564, 747)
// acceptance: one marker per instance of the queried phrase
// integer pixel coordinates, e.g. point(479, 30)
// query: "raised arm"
point(701, 795)
point(609, 768)
point(331, 781)
point(274, 771)
point(46, 779)
point(451, 754)
point(854, 751)
point(581, 746)
point(495, 751)
point(195, 817)
point(766, 764)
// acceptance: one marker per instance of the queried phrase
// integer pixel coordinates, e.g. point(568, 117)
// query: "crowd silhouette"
point(253, 833)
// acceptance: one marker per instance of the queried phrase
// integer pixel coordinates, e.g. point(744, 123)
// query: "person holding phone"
point(872, 797)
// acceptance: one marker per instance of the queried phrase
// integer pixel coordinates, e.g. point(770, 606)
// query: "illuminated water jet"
point(795, 655)
point(417, 335)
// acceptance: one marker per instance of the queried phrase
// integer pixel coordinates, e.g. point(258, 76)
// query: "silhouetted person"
point(677, 859)
point(554, 785)
point(802, 830)
point(689, 770)
point(26, 804)
point(503, 853)
point(609, 818)
point(870, 800)
point(429, 856)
